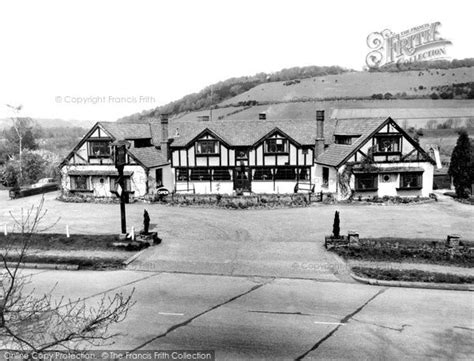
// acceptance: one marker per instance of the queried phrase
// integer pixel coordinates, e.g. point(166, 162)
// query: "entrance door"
point(242, 179)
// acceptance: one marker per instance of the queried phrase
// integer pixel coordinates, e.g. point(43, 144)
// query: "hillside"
point(409, 112)
point(407, 84)
point(226, 89)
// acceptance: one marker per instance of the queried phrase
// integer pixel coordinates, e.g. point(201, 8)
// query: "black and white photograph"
point(236, 180)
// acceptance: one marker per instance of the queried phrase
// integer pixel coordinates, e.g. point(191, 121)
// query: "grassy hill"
point(407, 84)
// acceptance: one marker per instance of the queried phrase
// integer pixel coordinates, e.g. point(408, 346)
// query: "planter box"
point(331, 242)
point(150, 238)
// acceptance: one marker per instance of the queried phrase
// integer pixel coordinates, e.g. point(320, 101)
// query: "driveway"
point(277, 243)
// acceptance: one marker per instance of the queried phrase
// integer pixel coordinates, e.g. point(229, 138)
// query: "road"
point(248, 318)
point(257, 284)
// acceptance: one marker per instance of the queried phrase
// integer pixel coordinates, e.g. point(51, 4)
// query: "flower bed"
point(410, 275)
point(237, 202)
point(410, 250)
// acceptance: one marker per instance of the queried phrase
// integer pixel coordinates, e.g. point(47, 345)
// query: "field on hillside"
point(414, 112)
point(356, 84)
point(445, 139)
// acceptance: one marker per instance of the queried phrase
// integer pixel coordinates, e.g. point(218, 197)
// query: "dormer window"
point(207, 147)
point(343, 139)
point(141, 143)
point(388, 144)
point(99, 149)
point(276, 145)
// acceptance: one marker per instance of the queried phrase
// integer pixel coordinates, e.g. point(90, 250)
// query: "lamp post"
point(120, 159)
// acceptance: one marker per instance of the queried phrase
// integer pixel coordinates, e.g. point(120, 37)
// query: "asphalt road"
point(257, 284)
point(245, 318)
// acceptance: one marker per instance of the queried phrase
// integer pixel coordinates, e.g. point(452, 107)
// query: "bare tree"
point(34, 323)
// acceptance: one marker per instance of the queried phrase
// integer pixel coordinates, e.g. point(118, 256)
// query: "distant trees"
point(425, 65)
point(34, 166)
point(461, 166)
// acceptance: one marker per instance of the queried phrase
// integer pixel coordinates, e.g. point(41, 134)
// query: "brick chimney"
point(164, 144)
point(319, 141)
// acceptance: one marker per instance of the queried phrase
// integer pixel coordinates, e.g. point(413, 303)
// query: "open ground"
point(258, 284)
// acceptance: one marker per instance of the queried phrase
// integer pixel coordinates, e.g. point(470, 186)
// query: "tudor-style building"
point(89, 168)
point(374, 157)
point(243, 156)
point(359, 157)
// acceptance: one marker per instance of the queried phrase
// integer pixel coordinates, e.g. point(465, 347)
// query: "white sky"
point(167, 49)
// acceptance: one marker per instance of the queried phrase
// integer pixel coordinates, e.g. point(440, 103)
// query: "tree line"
point(218, 92)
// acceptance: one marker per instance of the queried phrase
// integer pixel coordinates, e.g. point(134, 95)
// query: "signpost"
point(120, 159)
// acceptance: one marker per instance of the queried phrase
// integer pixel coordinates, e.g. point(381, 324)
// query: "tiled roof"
point(244, 132)
point(122, 131)
point(335, 154)
point(149, 156)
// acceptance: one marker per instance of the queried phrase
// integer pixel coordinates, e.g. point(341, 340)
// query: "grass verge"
point(96, 251)
point(385, 274)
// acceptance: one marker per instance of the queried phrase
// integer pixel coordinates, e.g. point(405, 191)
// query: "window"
point(304, 174)
point(220, 174)
point(159, 177)
point(366, 182)
point(182, 174)
point(79, 182)
point(263, 174)
point(113, 184)
point(388, 144)
point(411, 180)
point(276, 145)
point(343, 139)
point(241, 153)
point(200, 174)
point(287, 173)
point(99, 149)
point(141, 143)
point(207, 147)
point(325, 176)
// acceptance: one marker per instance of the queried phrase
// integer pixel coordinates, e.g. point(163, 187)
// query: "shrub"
point(336, 229)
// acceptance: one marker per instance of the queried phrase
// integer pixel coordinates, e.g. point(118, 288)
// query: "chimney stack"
point(319, 143)
point(262, 116)
point(164, 135)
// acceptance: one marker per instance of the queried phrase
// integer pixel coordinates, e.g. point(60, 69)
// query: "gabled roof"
point(335, 154)
point(364, 128)
point(148, 157)
point(122, 131)
point(244, 132)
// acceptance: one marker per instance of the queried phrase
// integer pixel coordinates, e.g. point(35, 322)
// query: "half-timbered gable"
point(254, 156)
point(377, 158)
point(89, 168)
